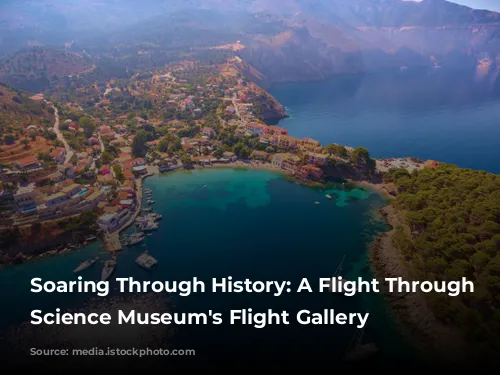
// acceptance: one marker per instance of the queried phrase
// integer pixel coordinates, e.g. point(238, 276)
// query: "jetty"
point(112, 242)
point(145, 260)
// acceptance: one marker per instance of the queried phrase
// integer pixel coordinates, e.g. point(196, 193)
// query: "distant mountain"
point(283, 39)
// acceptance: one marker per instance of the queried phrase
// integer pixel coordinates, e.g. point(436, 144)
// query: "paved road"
point(60, 136)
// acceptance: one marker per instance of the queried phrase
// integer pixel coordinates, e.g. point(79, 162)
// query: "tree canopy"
point(453, 217)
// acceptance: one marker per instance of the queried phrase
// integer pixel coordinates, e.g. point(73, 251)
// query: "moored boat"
point(135, 239)
point(150, 201)
point(328, 196)
point(109, 267)
point(86, 264)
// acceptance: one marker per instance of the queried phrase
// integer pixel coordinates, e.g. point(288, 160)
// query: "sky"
point(480, 4)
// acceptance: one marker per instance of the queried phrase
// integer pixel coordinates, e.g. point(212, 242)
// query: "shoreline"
point(433, 340)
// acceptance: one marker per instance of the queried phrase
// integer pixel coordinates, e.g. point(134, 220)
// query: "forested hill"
point(453, 231)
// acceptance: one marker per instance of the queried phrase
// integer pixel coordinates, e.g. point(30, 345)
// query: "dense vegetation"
point(453, 217)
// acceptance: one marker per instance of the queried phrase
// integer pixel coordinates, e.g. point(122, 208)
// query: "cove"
point(252, 224)
point(442, 115)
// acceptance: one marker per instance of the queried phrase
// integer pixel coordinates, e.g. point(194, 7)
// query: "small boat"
point(149, 226)
point(109, 267)
point(356, 350)
point(145, 260)
point(150, 201)
point(155, 216)
point(204, 186)
point(148, 209)
point(134, 239)
point(148, 190)
point(90, 238)
point(86, 264)
point(316, 202)
point(328, 196)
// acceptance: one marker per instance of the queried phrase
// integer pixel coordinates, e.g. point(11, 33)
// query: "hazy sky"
point(481, 4)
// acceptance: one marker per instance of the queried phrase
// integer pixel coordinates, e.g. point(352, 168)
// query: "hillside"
point(18, 138)
point(285, 40)
point(35, 69)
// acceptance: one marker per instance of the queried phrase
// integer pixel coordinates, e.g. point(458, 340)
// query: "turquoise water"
point(446, 116)
point(246, 224)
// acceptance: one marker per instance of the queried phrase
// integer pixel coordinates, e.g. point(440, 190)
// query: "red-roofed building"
point(312, 172)
point(255, 128)
point(104, 170)
point(29, 162)
point(275, 130)
point(128, 174)
point(59, 155)
point(208, 132)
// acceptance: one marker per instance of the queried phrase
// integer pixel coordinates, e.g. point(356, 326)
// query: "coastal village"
point(191, 116)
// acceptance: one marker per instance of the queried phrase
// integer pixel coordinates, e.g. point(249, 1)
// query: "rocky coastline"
point(434, 341)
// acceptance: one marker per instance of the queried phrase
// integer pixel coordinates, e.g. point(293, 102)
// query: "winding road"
point(60, 136)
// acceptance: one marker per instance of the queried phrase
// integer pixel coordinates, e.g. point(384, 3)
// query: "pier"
point(112, 240)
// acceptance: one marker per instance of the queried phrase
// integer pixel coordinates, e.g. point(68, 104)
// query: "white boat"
point(155, 216)
point(150, 201)
point(145, 260)
point(147, 209)
point(151, 225)
point(109, 267)
point(86, 264)
point(204, 186)
point(316, 202)
point(135, 239)
point(328, 196)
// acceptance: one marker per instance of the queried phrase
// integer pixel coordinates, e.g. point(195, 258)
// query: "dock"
point(112, 242)
point(145, 260)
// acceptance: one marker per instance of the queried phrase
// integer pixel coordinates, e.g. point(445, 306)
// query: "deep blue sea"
point(452, 117)
point(246, 224)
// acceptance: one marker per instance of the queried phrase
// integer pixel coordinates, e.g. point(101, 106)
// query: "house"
point(310, 171)
point(123, 195)
point(255, 128)
point(29, 162)
point(59, 155)
point(127, 173)
point(95, 198)
point(55, 199)
point(317, 159)
point(277, 161)
point(141, 169)
point(208, 132)
point(93, 141)
point(71, 190)
point(119, 142)
point(188, 147)
point(25, 196)
point(291, 163)
point(259, 155)
point(111, 221)
point(284, 142)
point(73, 127)
point(67, 170)
point(103, 179)
point(126, 203)
point(106, 131)
point(310, 144)
point(231, 156)
point(104, 170)
point(275, 130)
point(56, 176)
